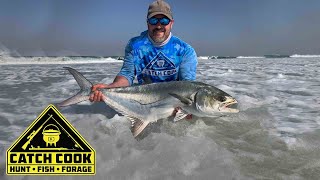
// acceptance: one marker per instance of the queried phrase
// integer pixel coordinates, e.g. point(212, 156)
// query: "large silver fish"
point(144, 104)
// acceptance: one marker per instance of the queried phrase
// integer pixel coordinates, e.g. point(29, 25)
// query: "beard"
point(159, 35)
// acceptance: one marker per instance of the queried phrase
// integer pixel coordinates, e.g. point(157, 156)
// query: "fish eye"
point(221, 98)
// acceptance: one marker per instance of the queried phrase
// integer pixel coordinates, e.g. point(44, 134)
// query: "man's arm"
point(188, 66)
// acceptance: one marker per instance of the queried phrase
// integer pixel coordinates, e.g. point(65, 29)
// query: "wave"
point(203, 57)
point(250, 57)
point(222, 57)
point(57, 60)
point(7, 59)
point(304, 56)
point(4, 52)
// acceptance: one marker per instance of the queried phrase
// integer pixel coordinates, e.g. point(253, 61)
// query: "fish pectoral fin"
point(180, 115)
point(184, 100)
point(137, 126)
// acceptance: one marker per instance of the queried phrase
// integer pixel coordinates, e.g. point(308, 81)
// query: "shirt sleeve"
point(188, 66)
point(127, 69)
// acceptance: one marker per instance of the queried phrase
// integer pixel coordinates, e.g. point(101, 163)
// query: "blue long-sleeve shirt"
point(173, 61)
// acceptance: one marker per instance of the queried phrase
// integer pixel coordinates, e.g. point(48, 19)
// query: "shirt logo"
point(160, 65)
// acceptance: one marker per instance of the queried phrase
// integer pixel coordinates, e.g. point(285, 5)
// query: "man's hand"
point(97, 94)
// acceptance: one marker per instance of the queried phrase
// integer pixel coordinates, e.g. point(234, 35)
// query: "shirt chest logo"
point(160, 65)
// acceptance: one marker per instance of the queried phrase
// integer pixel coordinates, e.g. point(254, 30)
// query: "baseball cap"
point(159, 7)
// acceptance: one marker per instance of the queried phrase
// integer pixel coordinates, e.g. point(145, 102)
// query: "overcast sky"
point(212, 27)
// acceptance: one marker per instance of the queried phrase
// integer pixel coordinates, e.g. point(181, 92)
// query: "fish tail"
point(85, 89)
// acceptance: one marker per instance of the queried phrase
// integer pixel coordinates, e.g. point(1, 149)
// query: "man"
point(155, 55)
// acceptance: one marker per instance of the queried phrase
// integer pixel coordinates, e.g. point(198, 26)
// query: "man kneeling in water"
point(156, 55)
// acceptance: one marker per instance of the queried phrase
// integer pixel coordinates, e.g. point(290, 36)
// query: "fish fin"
point(85, 89)
point(137, 126)
point(180, 115)
point(81, 80)
point(184, 100)
point(73, 100)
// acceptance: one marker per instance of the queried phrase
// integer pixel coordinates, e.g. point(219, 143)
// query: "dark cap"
point(159, 7)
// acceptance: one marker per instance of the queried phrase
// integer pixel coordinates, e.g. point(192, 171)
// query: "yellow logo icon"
point(51, 146)
point(51, 136)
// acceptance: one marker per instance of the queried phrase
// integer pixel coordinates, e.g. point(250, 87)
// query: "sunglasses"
point(163, 21)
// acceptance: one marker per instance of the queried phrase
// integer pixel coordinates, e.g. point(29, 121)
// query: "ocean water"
point(276, 135)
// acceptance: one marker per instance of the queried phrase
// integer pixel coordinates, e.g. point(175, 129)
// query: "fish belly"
point(150, 112)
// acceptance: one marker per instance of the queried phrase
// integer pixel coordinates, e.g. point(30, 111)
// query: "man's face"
point(159, 32)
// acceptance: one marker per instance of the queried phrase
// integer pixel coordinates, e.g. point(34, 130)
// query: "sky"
point(211, 27)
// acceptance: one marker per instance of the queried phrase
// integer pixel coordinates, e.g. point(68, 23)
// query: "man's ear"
point(172, 21)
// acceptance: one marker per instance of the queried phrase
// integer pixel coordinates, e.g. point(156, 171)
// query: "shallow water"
point(275, 136)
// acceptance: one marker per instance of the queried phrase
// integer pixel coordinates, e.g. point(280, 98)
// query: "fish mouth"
point(231, 106)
